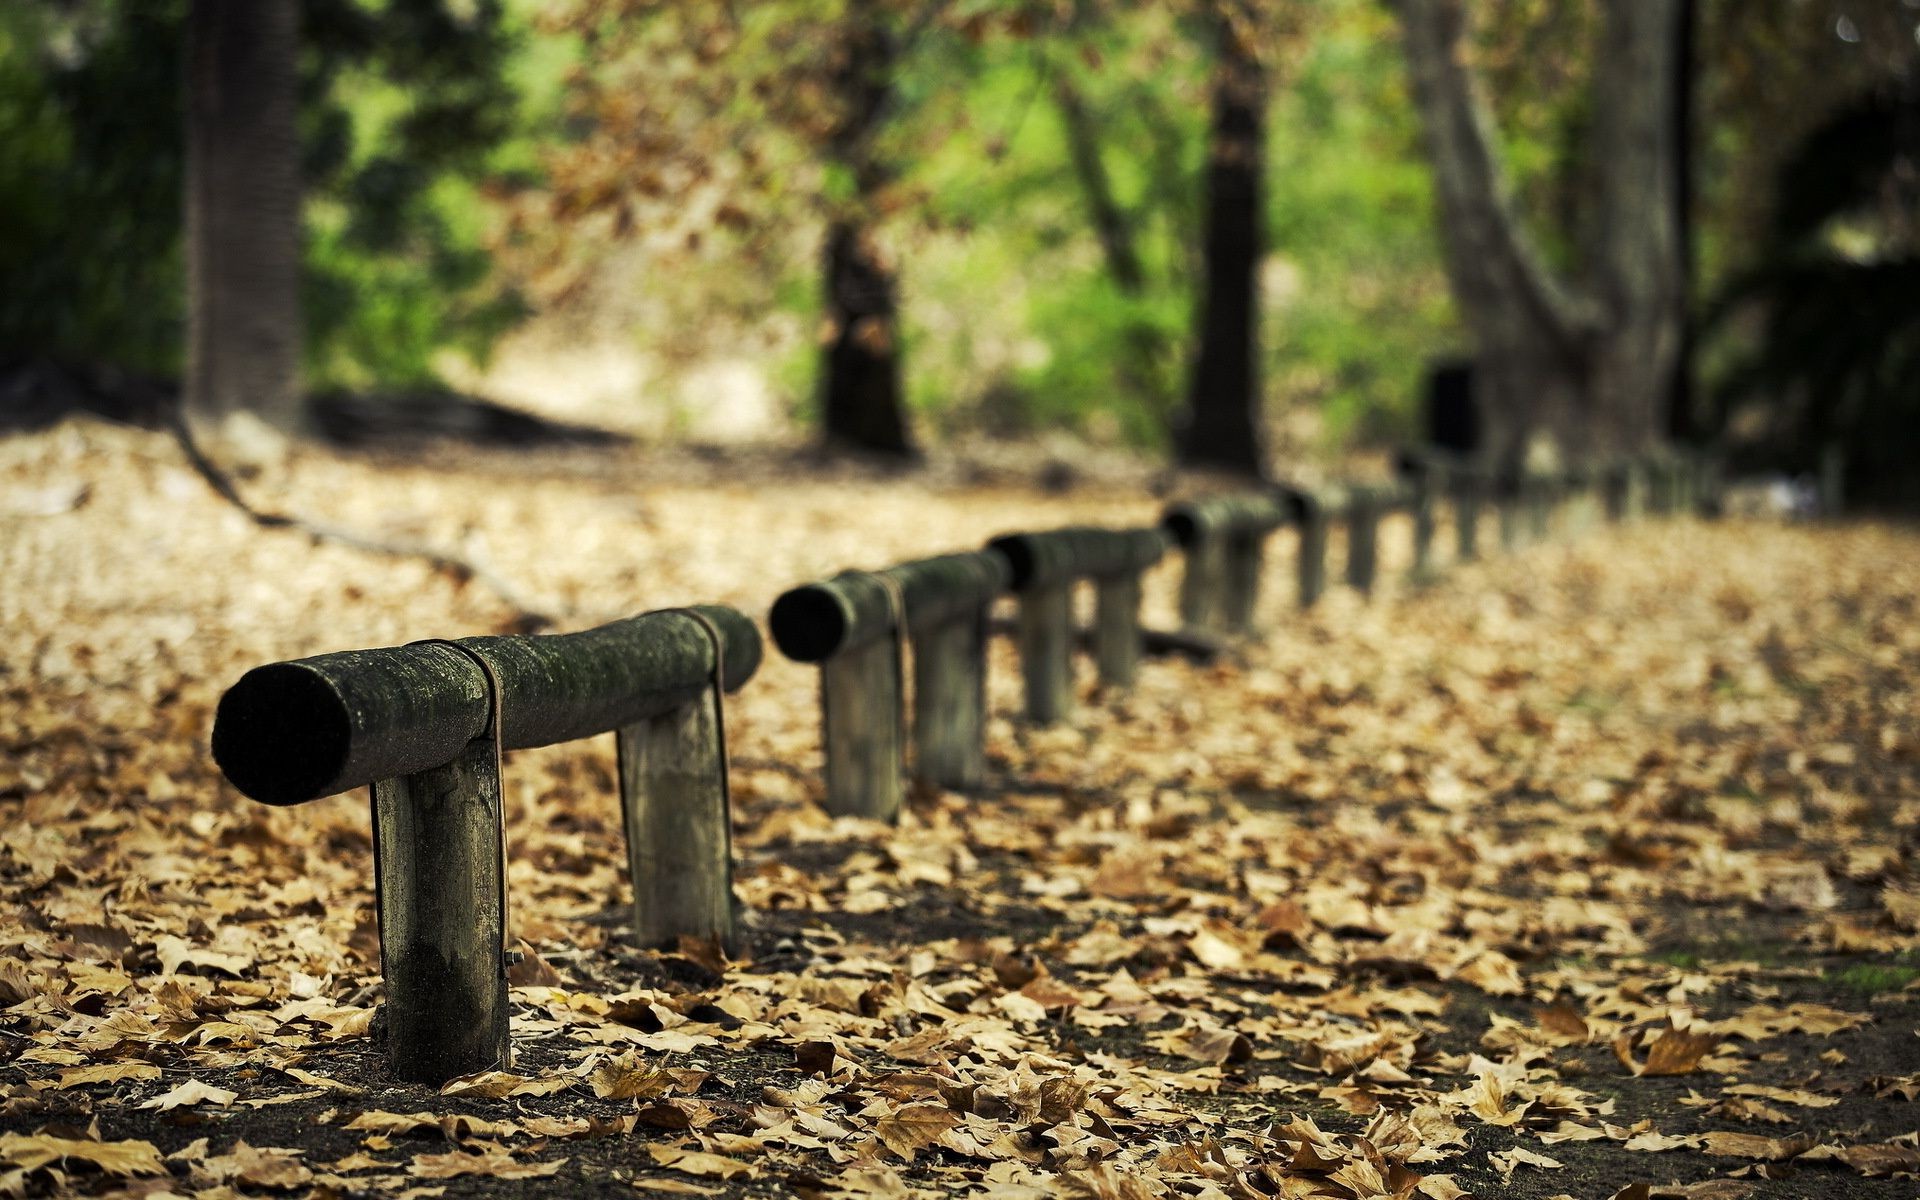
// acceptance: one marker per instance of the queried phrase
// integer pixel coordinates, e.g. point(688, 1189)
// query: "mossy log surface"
point(1253, 514)
point(295, 731)
point(816, 621)
point(1057, 556)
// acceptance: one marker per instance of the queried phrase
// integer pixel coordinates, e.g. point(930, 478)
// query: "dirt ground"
point(1585, 871)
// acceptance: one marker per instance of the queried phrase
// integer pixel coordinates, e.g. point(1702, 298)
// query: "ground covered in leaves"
point(1588, 872)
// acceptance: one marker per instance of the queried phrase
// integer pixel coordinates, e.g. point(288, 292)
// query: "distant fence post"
point(1429, 482)
point(1363, 536)
point(1116, 608)
point(1833, 480)
point(1044, 567)
point(424, 725)
point(948, 601)
point(1541, 495)
point(1507, 506)
point(1311, 568)
point(849, 625)
point(1469, 490)
point(1224, 541)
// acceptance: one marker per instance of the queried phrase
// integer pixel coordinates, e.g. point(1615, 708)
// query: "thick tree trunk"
point(1588, 368)
point(861, 402)
point(1221, 426)
point(243, 212)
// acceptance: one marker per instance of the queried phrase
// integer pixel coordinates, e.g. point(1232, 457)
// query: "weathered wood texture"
point(1224, 538)
point(1045, 567)
point(1469, 492)
point(1312, 563)
point(1116, 630)
point(673, 797)
point(1046, 651)
point(1363, 539)
point(950, 702)
point(295, 731)
point(441, 893)
point(1428, 486)
point(861, 730)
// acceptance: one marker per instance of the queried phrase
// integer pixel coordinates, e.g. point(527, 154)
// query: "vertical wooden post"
point(1046, 650)
point(1204, 582)
point(1541, 496)
point(441, 898)
point(1466, 517)
point(860, 701)
point(1116, 629)
point(1240, 593)
point(1426, 485)
point(679, 843)
point(1833, 480)
point(1313, 553)
point(950, 702)
point(1363, 535)
point(1507, 506)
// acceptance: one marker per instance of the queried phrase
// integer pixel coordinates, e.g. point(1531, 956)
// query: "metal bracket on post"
point(441, 895)
point(675, 805)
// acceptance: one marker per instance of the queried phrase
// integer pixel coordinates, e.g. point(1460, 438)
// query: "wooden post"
point(1240, 597)
point(1312, 567)
point(1363, 534)
point(1467, 494)
point(1833, 480)
point(1205, 582)
point(950, 702)
point(1116, 629)
point(1046, 650)
point(1507, 506)
point(1541, 495)
point(860, 701)
point(441, 897)
point(673, 794)
point(1430, 481)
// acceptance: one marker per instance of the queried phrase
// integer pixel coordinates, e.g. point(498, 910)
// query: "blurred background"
point(1256, 236)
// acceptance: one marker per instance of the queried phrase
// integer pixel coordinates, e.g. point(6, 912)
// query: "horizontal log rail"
point(425, 725)
point(1045, 567)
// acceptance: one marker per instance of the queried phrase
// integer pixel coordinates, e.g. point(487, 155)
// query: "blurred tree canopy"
point(1031, 193)
point(407, 107)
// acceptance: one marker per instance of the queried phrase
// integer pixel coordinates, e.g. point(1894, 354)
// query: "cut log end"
point(809, 624)
point(282, 734)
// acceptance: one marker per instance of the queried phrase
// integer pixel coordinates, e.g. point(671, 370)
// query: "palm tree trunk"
point(243, 213)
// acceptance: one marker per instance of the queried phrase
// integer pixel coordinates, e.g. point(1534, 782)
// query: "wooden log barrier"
point(1044, 568)
point(1540, 494)
point(948, 602)
point(1224, 542)
point(1364, 506)
point(1429, 482)
point(424, 725)
point(852, 626)
point(1314, 514)
point(1469, 497)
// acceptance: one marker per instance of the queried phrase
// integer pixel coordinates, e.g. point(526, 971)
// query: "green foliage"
point(405, 106)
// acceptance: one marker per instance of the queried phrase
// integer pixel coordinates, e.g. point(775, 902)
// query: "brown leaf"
point(912, 1128)
point(30, 1152)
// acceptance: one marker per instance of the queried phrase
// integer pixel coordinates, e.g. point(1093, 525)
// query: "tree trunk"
point(861, 402)
point(1221, 426)
point(1588, 368)
point(243, 213)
